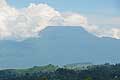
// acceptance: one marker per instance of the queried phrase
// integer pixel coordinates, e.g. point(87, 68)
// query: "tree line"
point(95, 72)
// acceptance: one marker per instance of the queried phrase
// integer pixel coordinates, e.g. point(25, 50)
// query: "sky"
point(99, 17)
point(96, 22)
point(100, 12)
point(103, 7)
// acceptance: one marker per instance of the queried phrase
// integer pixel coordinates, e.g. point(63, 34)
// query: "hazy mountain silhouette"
point(59, 45)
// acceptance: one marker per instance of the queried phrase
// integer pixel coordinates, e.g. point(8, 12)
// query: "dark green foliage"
point(51, 72)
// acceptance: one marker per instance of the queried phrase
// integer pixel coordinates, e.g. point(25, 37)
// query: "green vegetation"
point(51, 72)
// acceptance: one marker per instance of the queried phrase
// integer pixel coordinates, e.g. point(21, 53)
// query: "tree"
point(88, 78)
point(44, 78)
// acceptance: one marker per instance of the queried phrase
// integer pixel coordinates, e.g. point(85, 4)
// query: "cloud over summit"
point(20, 24)
point(26, 22)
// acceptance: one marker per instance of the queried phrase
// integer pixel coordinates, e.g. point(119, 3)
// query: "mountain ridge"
point(59, 45)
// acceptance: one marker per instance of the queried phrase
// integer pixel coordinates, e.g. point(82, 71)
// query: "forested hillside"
point(51, 72)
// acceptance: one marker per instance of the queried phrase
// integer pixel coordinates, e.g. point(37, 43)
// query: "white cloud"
point(25, 23)
point(103, 19)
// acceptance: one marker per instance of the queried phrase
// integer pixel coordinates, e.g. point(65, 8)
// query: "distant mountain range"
point(59, 46)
